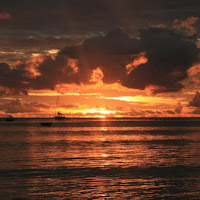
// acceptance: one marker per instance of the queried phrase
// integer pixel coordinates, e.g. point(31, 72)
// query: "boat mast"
point(57, 101)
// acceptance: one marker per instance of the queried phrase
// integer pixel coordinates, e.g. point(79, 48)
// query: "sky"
point(100, 58)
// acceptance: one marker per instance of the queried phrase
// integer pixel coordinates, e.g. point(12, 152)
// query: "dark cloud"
point(178, 108)
point(142, 113)
point(35, 43)
point(53, 71)
point(49, 70)
point(12, 91)
point(78, 15)
point(13, 79)
point(16, 106)
point(111, 53)
point(69, 106)
point(78, 18)
point(169, 55)
point(146, 113)
point(28, 44)
point(171, 112)
point(195, 102)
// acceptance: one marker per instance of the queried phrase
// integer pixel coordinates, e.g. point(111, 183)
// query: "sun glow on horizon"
point(99, 112)
point(85, 112)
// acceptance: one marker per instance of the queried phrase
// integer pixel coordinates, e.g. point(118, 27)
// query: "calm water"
point(100, 159)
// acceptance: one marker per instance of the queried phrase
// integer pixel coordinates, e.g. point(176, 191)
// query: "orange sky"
point(98, 100)
point(123, 60)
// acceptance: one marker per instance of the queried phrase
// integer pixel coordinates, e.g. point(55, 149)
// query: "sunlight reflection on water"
point(105, 162)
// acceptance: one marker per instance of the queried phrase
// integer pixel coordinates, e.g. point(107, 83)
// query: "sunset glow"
point(99, 99)
point(128, 67)
point(99, 112)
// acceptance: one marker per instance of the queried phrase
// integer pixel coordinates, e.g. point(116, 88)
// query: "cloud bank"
point(168, 51)
point(170, 55)
point(17, 106)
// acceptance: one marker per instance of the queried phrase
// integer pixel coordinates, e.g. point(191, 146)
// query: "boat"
point(46, 124)
point(9, 118)
point(59, 116)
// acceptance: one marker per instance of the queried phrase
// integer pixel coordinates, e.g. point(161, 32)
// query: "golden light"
point(53, 51)
point(101, 111)
point(141, 99)
point(98, 112)
point(44, 93)
point(85, 112)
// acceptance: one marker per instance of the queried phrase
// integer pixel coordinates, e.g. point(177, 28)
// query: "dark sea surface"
point(140, 159)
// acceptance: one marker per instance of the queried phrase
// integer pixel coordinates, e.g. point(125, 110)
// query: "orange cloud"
point(5, 15)
point(187, 24)
point(195, 69)
point(97, 75)
point(74, 65)
point(140, 59)
point(19, 107)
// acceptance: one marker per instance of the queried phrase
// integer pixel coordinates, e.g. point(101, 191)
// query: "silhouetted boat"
point(46, 124)
point(59, 116)
point(9, 118)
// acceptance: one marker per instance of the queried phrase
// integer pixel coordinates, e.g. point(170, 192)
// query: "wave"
point(129, 172)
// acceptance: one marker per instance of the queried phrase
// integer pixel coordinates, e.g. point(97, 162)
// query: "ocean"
point(129, 158)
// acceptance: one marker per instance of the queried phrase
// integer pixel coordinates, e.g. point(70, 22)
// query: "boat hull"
point(46, 124)
point(59, 118)
point(9, 120)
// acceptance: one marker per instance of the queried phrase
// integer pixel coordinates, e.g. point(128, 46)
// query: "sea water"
point(138, 158)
